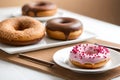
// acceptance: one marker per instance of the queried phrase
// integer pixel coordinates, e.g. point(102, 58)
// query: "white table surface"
point(103, 30)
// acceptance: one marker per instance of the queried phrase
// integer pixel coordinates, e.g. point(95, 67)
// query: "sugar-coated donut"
point(89, 56)
point(21, 31)
point(64, 28)
point(39, 9)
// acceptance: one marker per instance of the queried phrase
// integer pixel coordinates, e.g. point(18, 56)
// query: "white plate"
point(61, 57)
point(58, 14)
point(44, 43)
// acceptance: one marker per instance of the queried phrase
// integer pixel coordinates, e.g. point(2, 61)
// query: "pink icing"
point(89, 53)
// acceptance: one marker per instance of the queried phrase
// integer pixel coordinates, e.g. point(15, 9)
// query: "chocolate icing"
point(38, 6)
point(64, 24)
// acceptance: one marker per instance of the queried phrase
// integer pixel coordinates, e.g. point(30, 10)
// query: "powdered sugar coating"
point(89, 53)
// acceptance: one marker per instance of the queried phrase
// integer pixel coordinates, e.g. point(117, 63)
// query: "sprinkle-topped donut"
point(89, 55)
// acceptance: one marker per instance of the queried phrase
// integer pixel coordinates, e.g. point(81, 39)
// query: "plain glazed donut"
point(64, 28)
point(21, 31)
point(89, 56)
point(39, 9)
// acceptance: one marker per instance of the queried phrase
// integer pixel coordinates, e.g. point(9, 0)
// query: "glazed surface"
point(41, 7)
point(65, 25)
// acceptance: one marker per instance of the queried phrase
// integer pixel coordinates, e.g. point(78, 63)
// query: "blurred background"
point(106, 10)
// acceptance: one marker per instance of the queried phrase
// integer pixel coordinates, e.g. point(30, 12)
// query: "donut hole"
point(21, 27)
point(65, 22)
point(91, 50)
point(41, 4)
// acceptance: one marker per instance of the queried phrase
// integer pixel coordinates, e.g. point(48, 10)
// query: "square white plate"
point(63, 61)
point(44, 43)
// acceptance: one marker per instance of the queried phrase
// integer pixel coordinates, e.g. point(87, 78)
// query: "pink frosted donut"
point(89, 55)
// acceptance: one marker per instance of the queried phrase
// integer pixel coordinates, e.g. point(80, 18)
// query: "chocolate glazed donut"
point(71, 28)
point(38, 9)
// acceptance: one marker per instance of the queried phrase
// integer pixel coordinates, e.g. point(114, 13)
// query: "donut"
point(39, 9)
point(64, 28)
point(89, 56)
point(21, 31)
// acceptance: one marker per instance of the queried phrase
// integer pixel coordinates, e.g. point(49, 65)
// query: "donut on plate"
point(39, 9)
point(64, 28)
point(89, 56)
point(21, 31)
